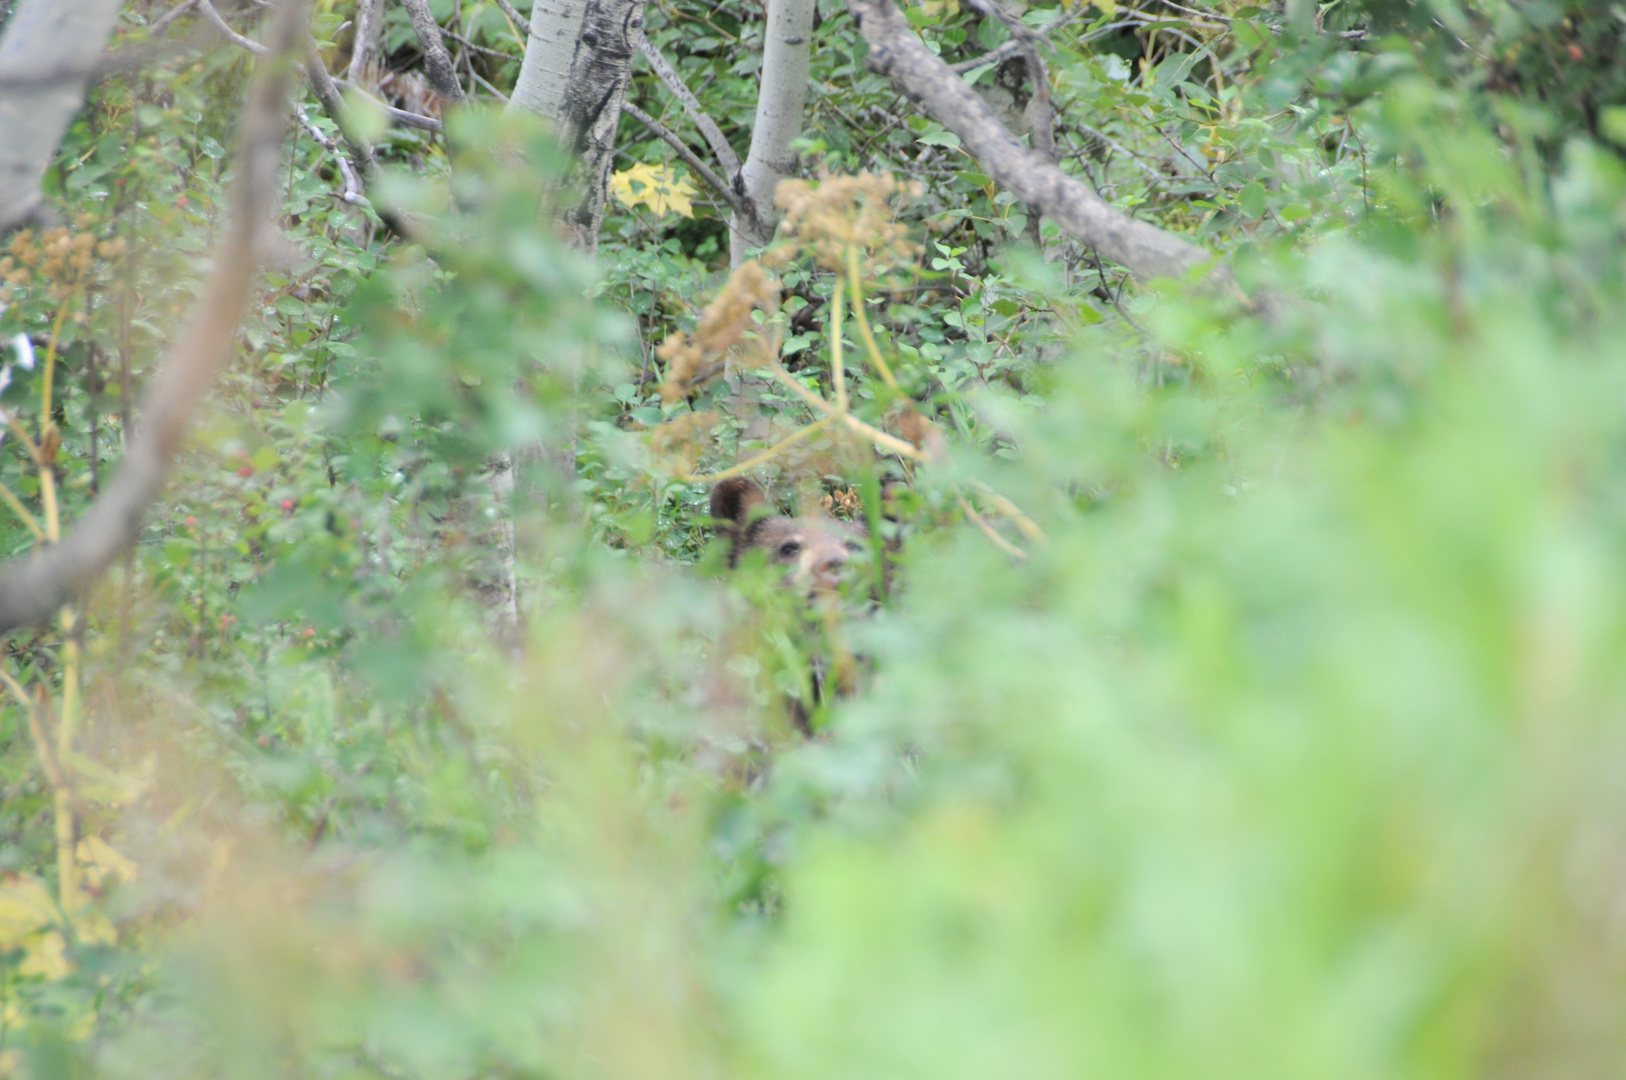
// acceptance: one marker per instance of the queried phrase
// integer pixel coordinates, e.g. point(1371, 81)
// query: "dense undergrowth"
point(1277, 733)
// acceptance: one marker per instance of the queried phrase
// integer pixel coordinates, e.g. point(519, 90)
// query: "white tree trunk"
point(779, 120)
point(543, 74)
point(577, 65)
point(369, 28)
point(50, 49)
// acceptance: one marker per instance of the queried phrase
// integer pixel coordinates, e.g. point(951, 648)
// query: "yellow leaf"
point(25, 906)
point(46, 955)
point(654, 186)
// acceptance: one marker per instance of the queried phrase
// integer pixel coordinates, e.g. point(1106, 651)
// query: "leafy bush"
point(1275, 734)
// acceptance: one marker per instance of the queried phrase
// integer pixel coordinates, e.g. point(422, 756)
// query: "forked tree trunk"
point(587, 106)
point(780, 101)
point(50, 49)
point(578, 62)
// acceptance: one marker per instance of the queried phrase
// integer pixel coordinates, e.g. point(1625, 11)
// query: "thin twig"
point(1000, 53)
point(228, 33)
point(22, 512)
point(498, 94)
point(767, 455)
point(352, 183)
point(1042, 118)
point(891, 442)
point(720, 147)
point(515, 17)
point(399, 116)
point(989, 531)
point(171, 15)
point(1012, 511)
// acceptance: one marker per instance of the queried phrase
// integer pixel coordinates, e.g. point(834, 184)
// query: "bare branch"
point(330, 102)
point(397, 116)
point(327, 92)
point(368, 16)
point(228, 33)
point(518, 20)
point(724, 153)
point(33, 588)
point(1000, 53)
point(1041, 118)
point(171, 15)
point(352, 183)
point(1147, 251)
point(704, 171)
point(437, 62)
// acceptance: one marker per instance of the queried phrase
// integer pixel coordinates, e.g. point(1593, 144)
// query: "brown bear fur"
point(813, 549)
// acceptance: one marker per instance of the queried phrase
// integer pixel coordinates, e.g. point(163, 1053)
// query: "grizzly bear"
point(814, 550)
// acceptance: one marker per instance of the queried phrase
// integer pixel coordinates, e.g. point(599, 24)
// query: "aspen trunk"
point(780, 100)
point(555, 26)
point(50, 49)
point(577, 65)
point(578, 62)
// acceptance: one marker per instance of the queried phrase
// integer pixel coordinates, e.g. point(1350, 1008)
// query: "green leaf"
point(1612, 124)
point(1252, 199)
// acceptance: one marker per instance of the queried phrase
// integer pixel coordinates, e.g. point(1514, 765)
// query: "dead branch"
point(228, 33)
point(396, 116)
point(368, 15)
point(1147, 251)
point(33, 588)
point(518, 20)
point(701, 119)
point(437, 62)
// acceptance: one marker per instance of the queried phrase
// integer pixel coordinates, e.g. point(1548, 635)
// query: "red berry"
point(246, 471)
point(191, 522)
point(287, 506)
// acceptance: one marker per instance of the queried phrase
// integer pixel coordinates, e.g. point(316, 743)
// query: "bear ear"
point(732, 501)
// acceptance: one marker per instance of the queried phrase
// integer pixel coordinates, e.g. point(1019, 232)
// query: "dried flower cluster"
point(692, 362)
point(60, 258)
point(839, 214)
point(841, 503)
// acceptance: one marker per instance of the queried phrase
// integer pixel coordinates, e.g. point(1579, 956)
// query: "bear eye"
point(790, 549)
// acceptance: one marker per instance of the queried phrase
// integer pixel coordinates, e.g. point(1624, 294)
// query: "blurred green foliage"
point(1292, 750)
